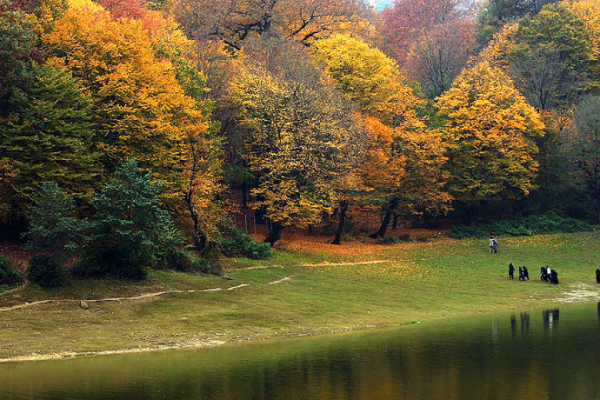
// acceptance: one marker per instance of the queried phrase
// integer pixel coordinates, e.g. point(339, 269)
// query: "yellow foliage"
point(491, 126)
point(367, 76)
point(496, 52)
point(588, 11)
point(140, 109)
point(300, 142)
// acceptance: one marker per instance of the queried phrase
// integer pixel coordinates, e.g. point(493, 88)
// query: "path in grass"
point(144, 296)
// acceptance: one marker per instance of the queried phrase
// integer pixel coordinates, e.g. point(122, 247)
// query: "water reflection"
point(550, 318)
point(513, 326)
point(525, 319)
point(451, 361)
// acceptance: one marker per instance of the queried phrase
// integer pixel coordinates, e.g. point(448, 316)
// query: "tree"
point(407, 21)
point(492, 128)
point(397, 145)
point(148, 102)
point(300, 20)
point(498, 13)
point(368, 77)
point(48, 137)
point(137, 100)
point(406, 170)
point(299, 136)
point(440, 55)
point(53, 229)
point(550, 57)
point(588, 12)
point(582, 147)
point(17, 44)
point(131, 232)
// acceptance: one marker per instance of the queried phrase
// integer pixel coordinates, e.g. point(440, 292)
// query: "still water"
point(544, 354)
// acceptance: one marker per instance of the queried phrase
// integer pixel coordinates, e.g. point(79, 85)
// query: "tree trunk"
point(395, 222)
point(274, 233)
point(598, 208)
point(473, 214)
point(386, 220)
point(199, 242)
point(244, 196)
point(340, 230)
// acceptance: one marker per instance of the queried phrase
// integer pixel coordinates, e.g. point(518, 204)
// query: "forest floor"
point(308, 287)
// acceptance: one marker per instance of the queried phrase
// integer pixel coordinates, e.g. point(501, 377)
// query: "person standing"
point(598, 275)
point(511, 271)
point(492, 240)
point(525, 273)
point(554, 277)
point(521, 277)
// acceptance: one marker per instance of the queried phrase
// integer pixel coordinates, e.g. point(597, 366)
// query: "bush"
point(533, 225)
point(9, 277)
point(112, 261)
point(406, 238)
point(45, 271)
point(240, 244)
point(179, 259)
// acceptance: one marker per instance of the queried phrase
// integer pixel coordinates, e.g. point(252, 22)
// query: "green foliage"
point(406, 238)
point(240, 244)
point(180, 259)
point(550, 57)
point(47, 138)
point(52, 228)
point(549, 222)
point(131, 232)
point(237, 175)
point(499, 12)
point(9, 277)
point(17, 41)
point(45, 271)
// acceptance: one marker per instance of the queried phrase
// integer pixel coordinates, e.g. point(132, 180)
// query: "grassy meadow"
point(308, 287)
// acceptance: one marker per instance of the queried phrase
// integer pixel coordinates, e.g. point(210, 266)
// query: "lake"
point(542, 354)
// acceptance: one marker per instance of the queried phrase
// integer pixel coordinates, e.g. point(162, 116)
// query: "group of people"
point(546, 274)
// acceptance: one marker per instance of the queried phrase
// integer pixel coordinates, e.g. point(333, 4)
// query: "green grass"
point(412, 282)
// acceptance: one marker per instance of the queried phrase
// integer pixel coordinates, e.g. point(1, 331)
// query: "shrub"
point(406, 238)
point(113, 261)
point(179, 259)
point(45, 271)
point(240, 244)
point(9, 277)
point(535, 224)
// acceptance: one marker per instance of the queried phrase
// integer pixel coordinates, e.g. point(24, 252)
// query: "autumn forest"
point(144, 126)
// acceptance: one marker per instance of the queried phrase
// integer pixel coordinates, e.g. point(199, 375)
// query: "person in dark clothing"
point(511, 271)
point(521, 278)
point(543, 274)
point(525, 273)
point(598, 275)
point(553, 277)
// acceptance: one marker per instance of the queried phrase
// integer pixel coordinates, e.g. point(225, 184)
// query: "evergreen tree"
point(131, 232)
point(48, 137)
point(53, 230)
